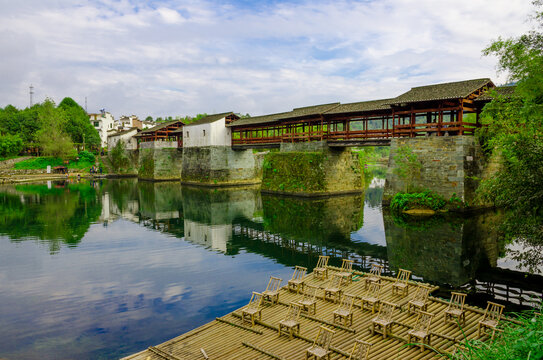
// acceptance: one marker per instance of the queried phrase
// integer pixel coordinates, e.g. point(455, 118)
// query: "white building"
point(209, 131)
point(103, 122)
point(128, 122)
point(126, 136)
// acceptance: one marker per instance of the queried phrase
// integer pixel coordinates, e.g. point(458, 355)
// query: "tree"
point(515, 131)
point(52, 138)
point(149, 118)
point(10, 145)
point(77, 123)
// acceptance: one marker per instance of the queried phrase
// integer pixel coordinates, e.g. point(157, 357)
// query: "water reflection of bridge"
point(361, 259)
point(461, 252)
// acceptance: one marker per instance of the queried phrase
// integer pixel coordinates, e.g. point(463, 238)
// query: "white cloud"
point(189, 57)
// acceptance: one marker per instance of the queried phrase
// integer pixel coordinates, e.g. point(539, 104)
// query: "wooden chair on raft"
point(253, 309)
point(321, 346)
point(421, 330)
point(491, 318)
point(374, 275)
point(372, 297)
point(420, 299)
point(455, 310)
point(382, 323)
point(291, 324)
point(344, 313)
point(333, 290)
point(361, 350)
point(309, 299)
point(401, 287)
point(271, 294)
point(346, 271)
point(321, 270)
point(297, 282)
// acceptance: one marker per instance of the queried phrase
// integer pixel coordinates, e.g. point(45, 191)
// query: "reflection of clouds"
point(173, 292)
point(123, 286)
point(511, 262)
point(373, 230)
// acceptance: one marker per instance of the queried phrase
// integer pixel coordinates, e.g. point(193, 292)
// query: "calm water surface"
point(101, 270)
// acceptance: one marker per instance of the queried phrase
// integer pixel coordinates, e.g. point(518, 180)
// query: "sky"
point(176, 58)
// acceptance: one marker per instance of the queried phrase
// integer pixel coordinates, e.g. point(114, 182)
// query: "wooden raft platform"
point(230, 338)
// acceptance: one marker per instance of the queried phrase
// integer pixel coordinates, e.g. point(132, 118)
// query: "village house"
point(126, 136)
point(102, 122)
point(209, 131)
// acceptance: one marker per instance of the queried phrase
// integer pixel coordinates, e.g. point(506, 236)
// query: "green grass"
point(522, 342)
point(43, 162)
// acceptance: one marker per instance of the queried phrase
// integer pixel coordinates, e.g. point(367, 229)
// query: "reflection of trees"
point(449, 249)
point(374, 196)
point(55, 216)
point(316, 220)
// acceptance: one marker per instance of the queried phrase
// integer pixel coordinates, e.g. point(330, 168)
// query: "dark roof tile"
point(210, 118)
point(359, 107)
point(505, 91)
point(452, 90)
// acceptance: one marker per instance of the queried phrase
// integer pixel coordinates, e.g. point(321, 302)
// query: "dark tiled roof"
point(309, 110)
point(359, 107)
point(210, 118)
point(158, 127)
point(505, 91)
point(117, 133)
point(452, 90)
point(253, 120)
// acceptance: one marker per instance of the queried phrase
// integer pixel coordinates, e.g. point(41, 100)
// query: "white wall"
point(215, 237)
point(128, 139)
point(216, 134)
point(106, 122)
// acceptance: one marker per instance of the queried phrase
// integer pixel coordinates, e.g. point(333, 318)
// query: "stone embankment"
point(10, 175)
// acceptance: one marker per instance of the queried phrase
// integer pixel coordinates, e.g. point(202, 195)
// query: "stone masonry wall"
point(220, 165)
point(450, 166)
point(311, 169)
point(160, 164)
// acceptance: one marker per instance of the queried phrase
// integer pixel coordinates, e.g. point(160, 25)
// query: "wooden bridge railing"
point(401, 130)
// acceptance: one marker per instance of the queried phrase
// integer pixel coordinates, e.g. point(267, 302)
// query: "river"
point(100, 270)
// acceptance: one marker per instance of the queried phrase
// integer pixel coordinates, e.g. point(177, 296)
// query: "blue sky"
point(186, 57)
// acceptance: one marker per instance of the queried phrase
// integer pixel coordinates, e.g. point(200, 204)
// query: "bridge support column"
point(159, 161)
point(311, 169)
point(220, 166)
point(451, 166)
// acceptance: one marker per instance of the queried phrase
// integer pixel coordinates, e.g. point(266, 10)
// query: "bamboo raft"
point(229, 337)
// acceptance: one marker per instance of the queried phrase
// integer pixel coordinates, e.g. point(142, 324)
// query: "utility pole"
point(86, 105)
point(31, 93)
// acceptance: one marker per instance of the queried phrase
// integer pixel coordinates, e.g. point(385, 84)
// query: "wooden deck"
point(229, 338)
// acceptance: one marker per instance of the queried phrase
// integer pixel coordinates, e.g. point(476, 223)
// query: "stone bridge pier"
point(451, 166)
point(311, 169)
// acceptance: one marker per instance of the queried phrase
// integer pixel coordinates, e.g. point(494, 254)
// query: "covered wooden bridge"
point(166, 131)
point(434, 109)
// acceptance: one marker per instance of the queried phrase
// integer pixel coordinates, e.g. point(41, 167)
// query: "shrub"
point(424, 200)
point(87, 156)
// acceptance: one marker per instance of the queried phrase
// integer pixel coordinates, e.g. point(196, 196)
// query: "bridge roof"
point(159, 127)
point(310, 110)
point(445, 91)
point(254, 120)
point(360, 107)
point(505, 91)
point(211, 118)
